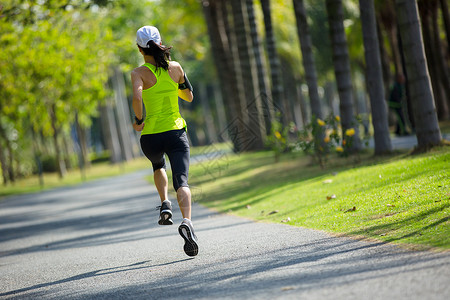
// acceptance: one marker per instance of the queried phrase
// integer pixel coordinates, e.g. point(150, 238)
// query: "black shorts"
point(175, 144)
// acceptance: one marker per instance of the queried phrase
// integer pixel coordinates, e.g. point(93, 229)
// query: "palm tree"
point(388, 18)
point(255, 129)
point(308, 58)
point(341, 61)
point(428, 10)
point(384, 58)
point(446, 17)
point(216, 14)
point(310, 68)
point(374, 77)
point(263, 93)
point(275, 67)
point(427, 127)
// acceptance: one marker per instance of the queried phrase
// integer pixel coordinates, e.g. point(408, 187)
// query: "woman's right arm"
point(137, 83)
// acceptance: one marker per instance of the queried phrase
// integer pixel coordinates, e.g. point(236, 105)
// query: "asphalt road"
point(101, 240)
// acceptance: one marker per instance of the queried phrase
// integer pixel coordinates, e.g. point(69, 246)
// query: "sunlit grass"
point(401, 198)
point(73, 177)
point(205, 150)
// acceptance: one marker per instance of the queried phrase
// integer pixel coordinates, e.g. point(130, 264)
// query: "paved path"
point(404, 142)
point(100, 241)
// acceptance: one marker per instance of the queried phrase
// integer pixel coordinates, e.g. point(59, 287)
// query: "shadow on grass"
point(386, 228)
point(265, 177)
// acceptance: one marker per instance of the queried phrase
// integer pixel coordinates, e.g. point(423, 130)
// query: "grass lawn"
point(401, 198)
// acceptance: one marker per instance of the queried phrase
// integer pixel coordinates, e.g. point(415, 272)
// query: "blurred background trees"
point(257, 66)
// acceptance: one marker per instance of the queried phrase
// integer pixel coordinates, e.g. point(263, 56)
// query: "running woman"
point(157, 85)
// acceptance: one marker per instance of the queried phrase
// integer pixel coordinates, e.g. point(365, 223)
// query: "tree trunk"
point(425, 10)
point(443, 71)
point(384, 61)
point(110, 133)
point(212, 14)
point(59, 158)
point(374, 77)
point(406, 102)
point(37, 157)
point(210, 129)
point(275, 68)
point(216, 14)
point(426, 123)
point(4, 168)
point(66, 152)
point(341, 61)
point(446, 17)
point(290, 94)
point(303, 106)
point(82, 143)
point(234, 60)
point(255, 126)
point(310, 68)
point(388, 18)
point(221, 116)
point(263, 93)
point(123, 115)
point(3, 162)
point(308, 58)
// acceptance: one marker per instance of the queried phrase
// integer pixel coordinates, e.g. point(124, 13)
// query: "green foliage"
point(319, 138)
point(277, 141)
point(286, 36)
point(53, 66)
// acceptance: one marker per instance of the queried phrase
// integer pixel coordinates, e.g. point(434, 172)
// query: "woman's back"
point(160, 96)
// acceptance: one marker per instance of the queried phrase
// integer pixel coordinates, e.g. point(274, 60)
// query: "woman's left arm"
point(185, 90)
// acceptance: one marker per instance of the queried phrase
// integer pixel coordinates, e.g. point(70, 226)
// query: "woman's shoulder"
point(138, 70)
point(175, 70)
point(174, 64)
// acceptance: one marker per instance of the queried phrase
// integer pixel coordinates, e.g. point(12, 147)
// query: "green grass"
point(401, 198)
point(51, 180)
point(205, 150)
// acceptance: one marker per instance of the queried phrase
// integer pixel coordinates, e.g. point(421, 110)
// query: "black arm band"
point(138, 121)
point(186, 84)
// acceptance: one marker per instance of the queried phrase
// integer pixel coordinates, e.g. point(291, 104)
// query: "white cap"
point(146, 34)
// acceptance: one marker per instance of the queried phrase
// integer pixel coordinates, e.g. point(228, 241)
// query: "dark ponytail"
point(161, 54)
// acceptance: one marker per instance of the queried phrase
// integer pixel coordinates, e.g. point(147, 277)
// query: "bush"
point(49, 163)
point(319, 138)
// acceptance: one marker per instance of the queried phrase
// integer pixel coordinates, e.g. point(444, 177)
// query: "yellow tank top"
point(161, 104)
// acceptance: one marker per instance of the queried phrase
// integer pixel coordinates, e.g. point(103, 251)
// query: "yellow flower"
point(277, 135)
point(350, 132)
point(320, 122)
point(339, 149)
point(326, 139)
point(338, 118)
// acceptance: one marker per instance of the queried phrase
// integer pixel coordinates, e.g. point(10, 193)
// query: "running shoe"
point(190, 239)
point(165, 213)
